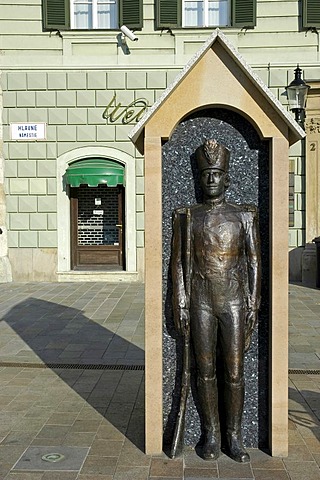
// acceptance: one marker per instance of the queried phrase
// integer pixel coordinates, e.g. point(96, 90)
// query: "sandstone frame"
point(217, 76)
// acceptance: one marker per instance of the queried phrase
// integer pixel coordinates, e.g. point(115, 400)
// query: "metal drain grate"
point(71, 366)
point(293, 371)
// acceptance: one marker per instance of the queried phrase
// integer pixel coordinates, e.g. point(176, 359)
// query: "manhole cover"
point(53, 457)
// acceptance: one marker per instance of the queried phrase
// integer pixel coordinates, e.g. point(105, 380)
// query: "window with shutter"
point(168, 13)
point(244, 13)
point(55, 14)
point(205, 13)
point(131, 13)
point(311, 13)
point(91, 14)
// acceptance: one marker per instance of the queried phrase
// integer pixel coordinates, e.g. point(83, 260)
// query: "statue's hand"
point(182, 321)
point(251, 321)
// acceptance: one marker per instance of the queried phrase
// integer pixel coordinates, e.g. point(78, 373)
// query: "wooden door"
point(97, 228)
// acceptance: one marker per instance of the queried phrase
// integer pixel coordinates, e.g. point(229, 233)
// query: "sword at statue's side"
point(184, 271)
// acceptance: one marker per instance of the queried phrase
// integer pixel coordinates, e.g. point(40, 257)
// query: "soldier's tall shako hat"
point(212, 155)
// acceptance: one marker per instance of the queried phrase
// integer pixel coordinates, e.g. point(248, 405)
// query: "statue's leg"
point(234, 396)
point(208, 399)
point(204, 338)
point(232, 344)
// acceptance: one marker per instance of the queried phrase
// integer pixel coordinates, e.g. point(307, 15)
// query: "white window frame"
point(205, 14)
point(94, 12)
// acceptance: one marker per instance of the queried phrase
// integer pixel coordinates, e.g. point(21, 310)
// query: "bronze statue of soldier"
point(216, 297)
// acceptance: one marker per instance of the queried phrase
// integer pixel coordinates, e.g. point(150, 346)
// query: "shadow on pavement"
point(300, 284)
point(63, 338)
point(305, 414)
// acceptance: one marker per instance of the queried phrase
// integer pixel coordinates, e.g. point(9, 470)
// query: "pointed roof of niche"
point(295, 131)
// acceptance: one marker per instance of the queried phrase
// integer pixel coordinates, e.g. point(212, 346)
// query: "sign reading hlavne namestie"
point(28, 131)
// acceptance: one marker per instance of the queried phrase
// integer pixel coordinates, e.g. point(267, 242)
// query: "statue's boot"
point(208, 400)
point(234, 398)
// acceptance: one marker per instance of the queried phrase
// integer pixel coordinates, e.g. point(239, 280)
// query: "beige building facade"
point(87, 84)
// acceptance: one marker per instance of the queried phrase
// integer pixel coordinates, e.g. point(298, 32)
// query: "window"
point(205, 13)
point(311, 13)
point(91, 14)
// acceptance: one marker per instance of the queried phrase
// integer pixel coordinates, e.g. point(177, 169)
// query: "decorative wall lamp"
point(297, 93)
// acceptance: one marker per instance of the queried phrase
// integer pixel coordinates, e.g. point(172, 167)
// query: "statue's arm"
point(254, 273)
point(253, 260)
point(179, 300)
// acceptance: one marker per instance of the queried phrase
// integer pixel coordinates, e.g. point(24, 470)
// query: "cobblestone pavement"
point(72, 396)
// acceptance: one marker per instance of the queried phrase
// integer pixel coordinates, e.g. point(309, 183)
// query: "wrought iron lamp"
point(297, 93)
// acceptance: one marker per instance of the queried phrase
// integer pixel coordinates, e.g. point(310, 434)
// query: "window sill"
point(108, 36)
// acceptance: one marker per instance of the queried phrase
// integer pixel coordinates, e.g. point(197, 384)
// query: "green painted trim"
point(95, 171)
point(131, 13)
point(168, 13)
point(244, 13)
point(56, 14)
point(311, 13)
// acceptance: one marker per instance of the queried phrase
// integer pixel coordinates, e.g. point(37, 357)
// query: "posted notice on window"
point(28, 131)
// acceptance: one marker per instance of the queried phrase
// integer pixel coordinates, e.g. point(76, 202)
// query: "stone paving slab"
point(52, 458)
point(304, 327)
point(101, 411)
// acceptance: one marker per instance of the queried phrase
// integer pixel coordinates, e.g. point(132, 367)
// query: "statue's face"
point(213, 182)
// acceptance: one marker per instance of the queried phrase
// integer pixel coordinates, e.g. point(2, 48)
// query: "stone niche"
point(249, 173)
point(217, 95)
